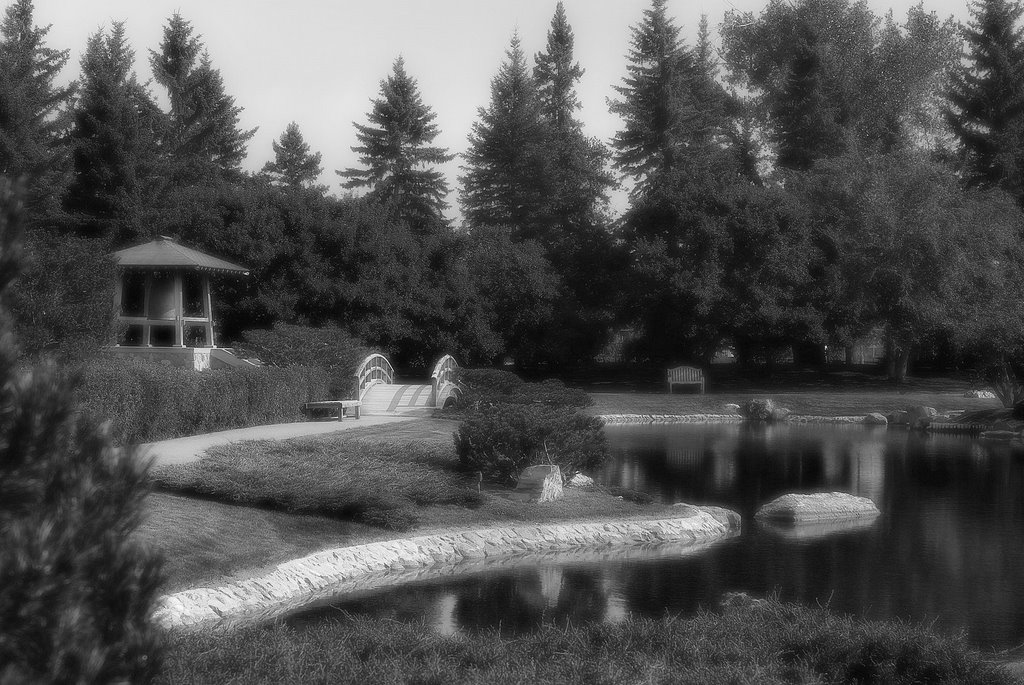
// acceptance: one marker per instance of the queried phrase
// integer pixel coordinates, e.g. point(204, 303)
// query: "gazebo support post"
point(179, 306)
point(208, 311)
point(146, 339)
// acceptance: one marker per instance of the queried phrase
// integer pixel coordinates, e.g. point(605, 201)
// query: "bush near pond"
point(502, 440)
point(379, 484)
point(146, 401)
point(764, 643)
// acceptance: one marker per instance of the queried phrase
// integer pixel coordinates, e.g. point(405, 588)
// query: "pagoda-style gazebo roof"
point(165, 253)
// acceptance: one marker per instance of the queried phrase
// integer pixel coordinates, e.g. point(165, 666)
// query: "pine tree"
point(986, 98)
point(805, 122)
point(294, 166)
point(578, 176)
point(506, 175)
point(671, 104)
point(76, 592)
point(32, 125)
point(113, 143)
point(396, 150)
point(203, 136)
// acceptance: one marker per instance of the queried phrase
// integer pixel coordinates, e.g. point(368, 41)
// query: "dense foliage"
point(76, 591)
point(761, 161)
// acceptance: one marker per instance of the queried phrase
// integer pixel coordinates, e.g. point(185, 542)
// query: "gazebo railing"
point(442, 380)
point(371, 371)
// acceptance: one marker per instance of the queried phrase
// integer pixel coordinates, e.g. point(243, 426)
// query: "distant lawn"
point(831, 402)
point(765, 643)
point(253, 504)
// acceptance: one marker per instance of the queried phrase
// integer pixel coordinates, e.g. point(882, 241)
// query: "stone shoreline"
point(301, 582)
point(941, 426)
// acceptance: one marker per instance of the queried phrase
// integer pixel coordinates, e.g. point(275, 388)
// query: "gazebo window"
point(133, 294)
point(131, 336)
point(161, 336)
point(192, 295)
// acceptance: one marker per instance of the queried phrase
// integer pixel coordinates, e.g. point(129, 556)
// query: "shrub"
point(330, 348)
point(75, 592)
point(501, 440)
point(484, 387)
point(146, 401)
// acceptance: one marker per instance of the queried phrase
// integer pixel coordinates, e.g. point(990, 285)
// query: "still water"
point(948, 548)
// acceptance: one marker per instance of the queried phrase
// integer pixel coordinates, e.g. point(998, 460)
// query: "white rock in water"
point(540, 483)
point(980, 394)
point(818, 506)
point(876, 419)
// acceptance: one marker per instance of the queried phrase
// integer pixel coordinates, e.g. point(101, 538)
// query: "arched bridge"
point(381, 395)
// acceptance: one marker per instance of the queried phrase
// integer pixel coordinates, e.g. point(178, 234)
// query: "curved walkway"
point(192, 448)
point(332, 572)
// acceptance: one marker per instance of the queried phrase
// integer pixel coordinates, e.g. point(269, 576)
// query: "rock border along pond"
point(301, 582)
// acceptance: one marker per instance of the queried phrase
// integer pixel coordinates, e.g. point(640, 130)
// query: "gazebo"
point(164, 306)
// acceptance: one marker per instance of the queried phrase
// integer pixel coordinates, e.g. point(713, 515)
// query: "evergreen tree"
point(113, 143)
point(659, 114)
point(506, 176)
point(76, 592)
point(805, 120)
point(294, 166)
point(986, 98)
point(578, 177)
point(203, 136)
point(397, 152)
point(32, 125)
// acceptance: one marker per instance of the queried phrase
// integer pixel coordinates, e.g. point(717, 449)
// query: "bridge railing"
point(442, 380)
point(373, 370)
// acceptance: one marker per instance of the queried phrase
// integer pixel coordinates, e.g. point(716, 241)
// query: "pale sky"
point(320, 62)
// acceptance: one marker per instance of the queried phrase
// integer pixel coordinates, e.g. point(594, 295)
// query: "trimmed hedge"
point(146, 401)
point(328, 347)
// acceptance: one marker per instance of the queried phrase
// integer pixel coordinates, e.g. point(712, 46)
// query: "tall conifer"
point(203, 134)
point(396, 151)
point(32, 125)
point(506, 175)
point(113, 143)
point(294, 165)
point(986, 98)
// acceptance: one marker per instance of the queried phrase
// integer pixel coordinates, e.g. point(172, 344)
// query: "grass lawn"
point(823, 402)
point(763, 642)
point(264, 502)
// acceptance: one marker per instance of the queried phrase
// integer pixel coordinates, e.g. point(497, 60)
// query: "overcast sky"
point(320, 62)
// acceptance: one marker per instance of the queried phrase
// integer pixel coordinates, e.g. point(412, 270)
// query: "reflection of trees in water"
point(527, 599)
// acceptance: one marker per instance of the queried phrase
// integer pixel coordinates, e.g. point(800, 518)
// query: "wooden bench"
point(685, 375)
point(334, 406)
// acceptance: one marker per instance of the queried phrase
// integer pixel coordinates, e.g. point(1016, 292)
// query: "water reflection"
point(947, 547)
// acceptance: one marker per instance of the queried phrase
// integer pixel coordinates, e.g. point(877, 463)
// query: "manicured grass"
point(761, 643)
point(378, 481)
point(205, 540)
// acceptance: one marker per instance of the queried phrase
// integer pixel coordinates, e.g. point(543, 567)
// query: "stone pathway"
point(192, 448)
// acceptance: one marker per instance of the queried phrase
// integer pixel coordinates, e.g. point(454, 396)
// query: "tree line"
point(811, 175)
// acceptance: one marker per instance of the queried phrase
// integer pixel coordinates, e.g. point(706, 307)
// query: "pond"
point(948, 548)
